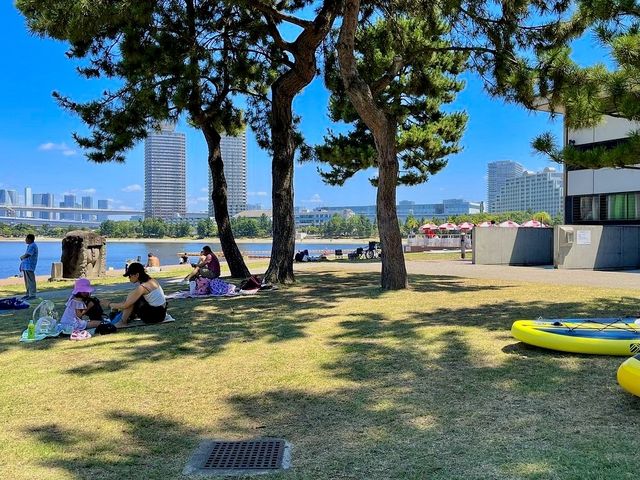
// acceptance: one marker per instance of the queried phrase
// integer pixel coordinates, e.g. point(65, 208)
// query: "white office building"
point(165, 174)
point(234, 156)
point(535, 191)
point(497, 175)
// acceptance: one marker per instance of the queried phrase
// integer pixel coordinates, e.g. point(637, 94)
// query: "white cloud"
point(204, 190)
point(60, 147)
point(315, 199)
point(89, 191)
point(52, 146)
point(132, 188)
point(125, 207)
point(257, 194)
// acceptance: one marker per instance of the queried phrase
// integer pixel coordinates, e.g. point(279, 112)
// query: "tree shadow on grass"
point(151, 447)
point(501, 315)
point(205, 327)
point(442, 408)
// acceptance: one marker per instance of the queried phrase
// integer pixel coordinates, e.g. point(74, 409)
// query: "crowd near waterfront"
point(118, 253)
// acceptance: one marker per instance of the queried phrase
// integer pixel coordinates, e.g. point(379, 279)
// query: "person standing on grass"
point(28, 266)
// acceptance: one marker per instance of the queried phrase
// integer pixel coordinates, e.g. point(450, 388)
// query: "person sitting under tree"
point(207, 267)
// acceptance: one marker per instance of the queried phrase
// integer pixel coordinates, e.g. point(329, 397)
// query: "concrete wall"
point(597, 247)
point(610, 128)
point(512, 246)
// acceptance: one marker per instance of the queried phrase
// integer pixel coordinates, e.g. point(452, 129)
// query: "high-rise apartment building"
point(165, 173)
point(539, 192)
point(234, 156)
point(497, 175)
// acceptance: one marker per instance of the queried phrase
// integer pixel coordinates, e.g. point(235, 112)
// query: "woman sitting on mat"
point(147, 301)
point(207, 267)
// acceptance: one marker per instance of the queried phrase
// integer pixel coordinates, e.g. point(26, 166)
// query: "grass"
point(425, 383)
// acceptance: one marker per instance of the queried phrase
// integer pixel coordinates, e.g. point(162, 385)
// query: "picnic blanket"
point(186, 294)
point(91, 331)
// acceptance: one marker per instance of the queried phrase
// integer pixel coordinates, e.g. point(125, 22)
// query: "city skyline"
point(37, 134)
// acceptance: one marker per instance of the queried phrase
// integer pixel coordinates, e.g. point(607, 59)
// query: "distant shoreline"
point(342, 241)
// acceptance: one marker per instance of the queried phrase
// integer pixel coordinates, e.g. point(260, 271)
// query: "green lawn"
point(419, 384)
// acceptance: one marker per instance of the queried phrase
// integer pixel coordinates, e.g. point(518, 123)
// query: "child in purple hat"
point(81, 304)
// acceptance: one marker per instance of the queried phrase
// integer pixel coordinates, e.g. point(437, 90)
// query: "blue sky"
point(37, 150)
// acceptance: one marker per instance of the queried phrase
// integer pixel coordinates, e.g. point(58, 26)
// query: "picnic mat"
point(185, 294)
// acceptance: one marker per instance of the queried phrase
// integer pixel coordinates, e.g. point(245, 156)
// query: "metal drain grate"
point(239, 458)
point(246, 455)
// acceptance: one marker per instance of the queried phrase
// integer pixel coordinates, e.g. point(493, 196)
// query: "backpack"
point(105, 328)
point(202, 286)
point(251, 283)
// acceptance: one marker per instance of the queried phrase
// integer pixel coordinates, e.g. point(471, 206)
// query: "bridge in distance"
point(12, 218)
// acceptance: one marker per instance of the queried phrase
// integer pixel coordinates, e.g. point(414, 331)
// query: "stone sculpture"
point(84, 254)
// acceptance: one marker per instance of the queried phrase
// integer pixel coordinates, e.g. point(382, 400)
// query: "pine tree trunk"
point(283, 247)
point(383, 128)
point(230, 249)
point(283, 134)
point(394, 271)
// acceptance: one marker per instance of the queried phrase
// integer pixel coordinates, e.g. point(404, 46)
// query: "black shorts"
point(147, 313)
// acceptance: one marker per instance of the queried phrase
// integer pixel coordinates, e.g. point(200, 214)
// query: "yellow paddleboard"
point(599, 336)
point(629, 375)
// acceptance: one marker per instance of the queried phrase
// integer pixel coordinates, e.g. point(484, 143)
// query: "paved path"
point(628, 279)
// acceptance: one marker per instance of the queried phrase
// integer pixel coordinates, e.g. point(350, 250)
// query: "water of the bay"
point(119, 252)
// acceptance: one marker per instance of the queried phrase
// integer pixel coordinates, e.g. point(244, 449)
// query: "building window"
point(589, 208)
point(622, 206)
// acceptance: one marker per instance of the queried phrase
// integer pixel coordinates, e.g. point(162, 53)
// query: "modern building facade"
point(28, 201)
point(103, 205)
point(234, 156)
point(7, 197)
point(165, 174)
point(44, 200)
point(607, 195)
point(87, 204)
point(497, 175)
point(447, 208)
point(536, 191)
point(69, 201)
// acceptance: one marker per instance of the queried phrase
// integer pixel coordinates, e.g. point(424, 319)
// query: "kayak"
point(599, 336)
point(629, 375)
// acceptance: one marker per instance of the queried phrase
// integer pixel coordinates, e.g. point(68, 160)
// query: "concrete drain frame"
point(239, 457)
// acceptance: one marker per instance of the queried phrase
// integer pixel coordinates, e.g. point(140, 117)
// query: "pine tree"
point(167, 59)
